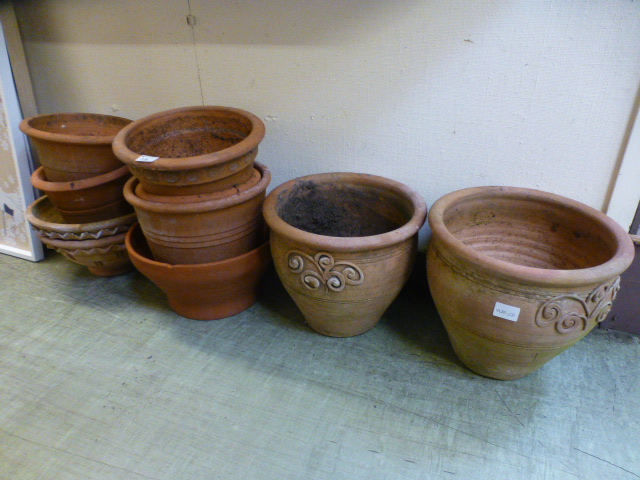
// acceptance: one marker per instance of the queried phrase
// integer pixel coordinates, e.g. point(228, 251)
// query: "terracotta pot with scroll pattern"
point(343, 245)
point(520, 275)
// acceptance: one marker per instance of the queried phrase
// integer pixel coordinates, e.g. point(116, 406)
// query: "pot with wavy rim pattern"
point(343, 245)
point(46, 220)
point(520, 275)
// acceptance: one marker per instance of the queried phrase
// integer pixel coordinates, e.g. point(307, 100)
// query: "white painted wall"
point(440, 95)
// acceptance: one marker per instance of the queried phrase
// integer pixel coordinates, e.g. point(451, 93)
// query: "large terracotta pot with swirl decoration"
point(520, 275)
point(343, 245)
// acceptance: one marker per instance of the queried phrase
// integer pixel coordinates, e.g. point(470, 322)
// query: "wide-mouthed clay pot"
point(199, 149)
point(206, 291)
point(202, 228)
point(88, 200)
point(46, 220)
point(73, 146)
point(519, 275)
point(343, 245)
point(98, 246)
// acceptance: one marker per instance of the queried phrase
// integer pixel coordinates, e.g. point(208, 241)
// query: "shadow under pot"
point(343, 245)
point(97, 245)
point(194, 150)
point(202, 228)
point(73, 146)
point(206, 291)
point(89, 200)
point(520, 275)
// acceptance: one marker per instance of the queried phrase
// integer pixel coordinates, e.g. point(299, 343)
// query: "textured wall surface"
point(438, 95)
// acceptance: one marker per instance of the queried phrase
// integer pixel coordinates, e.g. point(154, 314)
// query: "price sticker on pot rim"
point(507, 312)
point(146, 159)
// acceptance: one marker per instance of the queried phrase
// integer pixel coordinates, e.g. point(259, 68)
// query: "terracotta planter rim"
point(73, 227)
point(619, 261)
point(28, 129)
point(195, 267)
point(198, 206)
point(347, 244)
point(39, 182)
point(250, 142)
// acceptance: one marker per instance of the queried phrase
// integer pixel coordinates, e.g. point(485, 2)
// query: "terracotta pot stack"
point(83, 181)
point(198, 195)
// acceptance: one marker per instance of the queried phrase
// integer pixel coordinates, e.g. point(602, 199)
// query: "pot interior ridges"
point(565, 241)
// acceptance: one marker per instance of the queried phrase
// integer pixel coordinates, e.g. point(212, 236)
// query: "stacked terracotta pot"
point(83, 214)
point(198, 195)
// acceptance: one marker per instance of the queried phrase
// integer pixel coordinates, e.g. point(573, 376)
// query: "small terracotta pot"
point(89, 200)
point(98, 246)
point(204, 229)
point(73, 146)
point(207, 291)
point(200, 149)
point(520, 275)
point(46, 220)
point(343, 245)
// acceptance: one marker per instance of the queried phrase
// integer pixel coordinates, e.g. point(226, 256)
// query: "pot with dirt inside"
point(343, 245)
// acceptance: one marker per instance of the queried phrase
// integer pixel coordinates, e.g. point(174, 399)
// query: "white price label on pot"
point(507, 312)
point(146, 159)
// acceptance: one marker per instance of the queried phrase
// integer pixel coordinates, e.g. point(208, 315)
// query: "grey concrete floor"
point(99, 379)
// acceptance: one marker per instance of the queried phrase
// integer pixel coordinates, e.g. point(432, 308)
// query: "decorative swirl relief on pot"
point(574, 312)
point(323, 270)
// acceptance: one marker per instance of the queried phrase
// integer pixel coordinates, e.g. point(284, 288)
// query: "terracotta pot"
point(207, 291)
point(343, 245)
point(200, 149)
point(98, 246)
point(209, 228)
point(47, 221)
point(73, 146)
point(520, 275)
point(89, 200)
point(141, 193)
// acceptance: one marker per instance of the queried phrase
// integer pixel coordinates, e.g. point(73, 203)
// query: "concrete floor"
point(100, 380)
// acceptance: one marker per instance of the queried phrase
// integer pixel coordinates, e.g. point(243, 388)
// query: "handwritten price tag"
point(507, 312)
point(146, 159)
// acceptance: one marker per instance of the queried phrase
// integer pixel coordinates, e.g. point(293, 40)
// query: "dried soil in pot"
point(520, 275)
point(200, 149)
point(73, 146)
point(343, 245)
